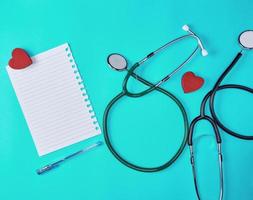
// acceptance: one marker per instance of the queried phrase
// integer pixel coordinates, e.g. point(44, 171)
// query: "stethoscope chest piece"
point(246, 39)
point(117, 61)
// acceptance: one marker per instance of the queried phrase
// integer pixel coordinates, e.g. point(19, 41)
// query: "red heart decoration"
point(191, 82)
point(20, 59)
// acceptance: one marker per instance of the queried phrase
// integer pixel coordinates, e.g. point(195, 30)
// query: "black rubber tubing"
point(211, 96)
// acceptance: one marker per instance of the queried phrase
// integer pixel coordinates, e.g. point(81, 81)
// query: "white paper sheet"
point(54, 101)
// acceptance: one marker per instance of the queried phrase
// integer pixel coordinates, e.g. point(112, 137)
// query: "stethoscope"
point(246, 42)
point(119, 63)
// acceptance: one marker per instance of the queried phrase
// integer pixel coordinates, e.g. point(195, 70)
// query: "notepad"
point(54, 100)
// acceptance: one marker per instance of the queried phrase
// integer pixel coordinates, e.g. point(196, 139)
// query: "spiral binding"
point(82, 88)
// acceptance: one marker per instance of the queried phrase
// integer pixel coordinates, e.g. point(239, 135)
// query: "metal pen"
point(57, 163)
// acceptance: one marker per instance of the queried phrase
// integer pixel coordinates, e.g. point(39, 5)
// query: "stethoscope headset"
point(119, 63)
point(246, 42)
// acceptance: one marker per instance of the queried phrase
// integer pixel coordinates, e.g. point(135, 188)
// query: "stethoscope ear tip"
point(204, 52)
point(186, 27)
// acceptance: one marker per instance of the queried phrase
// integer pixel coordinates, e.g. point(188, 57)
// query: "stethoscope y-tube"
point(213, 120)
point(218, 141)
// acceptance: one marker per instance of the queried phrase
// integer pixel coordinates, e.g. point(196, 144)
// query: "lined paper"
point(54, 101)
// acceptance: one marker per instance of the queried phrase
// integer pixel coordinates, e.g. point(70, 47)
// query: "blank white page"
point(54, 101)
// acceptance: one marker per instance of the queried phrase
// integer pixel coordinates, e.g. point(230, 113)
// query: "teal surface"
point(147, 131)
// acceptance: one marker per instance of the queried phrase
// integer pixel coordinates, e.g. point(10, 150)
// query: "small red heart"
point(191, 82)
point(20, 59)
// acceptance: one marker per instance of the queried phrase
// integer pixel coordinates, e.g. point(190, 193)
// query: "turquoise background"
point(146, 131)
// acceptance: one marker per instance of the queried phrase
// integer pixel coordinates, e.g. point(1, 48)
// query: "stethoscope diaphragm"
point(246, 39)
point(117, 61)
